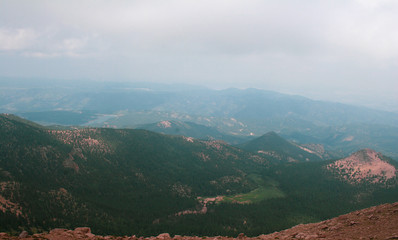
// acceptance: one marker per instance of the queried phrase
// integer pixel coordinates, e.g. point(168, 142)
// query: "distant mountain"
point(60, 117)
point(190, 129)
point(346, 139)
point(239, 112)
point(273, 146)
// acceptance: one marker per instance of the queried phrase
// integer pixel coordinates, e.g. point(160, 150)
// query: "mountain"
point(275, 147)
point(338, 127)
point(378, 222)
point(365, 166)
point(345, 139)
point(130, 178)
point(190, 129)
point(129, 181)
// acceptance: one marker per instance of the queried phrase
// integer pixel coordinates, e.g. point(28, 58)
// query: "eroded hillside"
point(379, 222)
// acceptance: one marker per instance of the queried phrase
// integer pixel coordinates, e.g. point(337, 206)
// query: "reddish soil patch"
point(364, 165)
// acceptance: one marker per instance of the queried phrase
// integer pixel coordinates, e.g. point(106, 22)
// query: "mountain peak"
point(274, 146)
point(364, 165)
point(271, 134)
point(164, 124)
point(365, 155)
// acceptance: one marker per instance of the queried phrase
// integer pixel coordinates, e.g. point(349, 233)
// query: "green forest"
point(125, 182)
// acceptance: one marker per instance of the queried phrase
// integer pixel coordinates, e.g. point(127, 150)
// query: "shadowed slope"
point(274, 146)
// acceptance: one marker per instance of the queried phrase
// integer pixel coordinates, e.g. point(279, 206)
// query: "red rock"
point(23, 234)
point(163, 236)
point(83, 230)
point(89, 235)
point(348, 226)
point(58, 230)
point(352, 223)
point(241, 235)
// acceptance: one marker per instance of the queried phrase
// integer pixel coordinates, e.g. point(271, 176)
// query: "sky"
point(336, 50)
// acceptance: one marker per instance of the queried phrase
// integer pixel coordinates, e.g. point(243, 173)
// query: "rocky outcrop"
point(379, 222)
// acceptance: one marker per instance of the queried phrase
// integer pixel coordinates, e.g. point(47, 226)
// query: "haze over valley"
point(206, 119)
point(232, 115)
point(145, 159)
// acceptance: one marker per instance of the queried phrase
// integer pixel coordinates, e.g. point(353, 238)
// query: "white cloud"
point(69, 47)
point(213, 27)
point(33, 43)
point(16, 39)
point(365, 29)
point(340, 29)
point(374, 4)
point(309, 45)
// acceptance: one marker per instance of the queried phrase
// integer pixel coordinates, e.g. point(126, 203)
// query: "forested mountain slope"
point(275, 147)
point(124, 181)
point(190, 129)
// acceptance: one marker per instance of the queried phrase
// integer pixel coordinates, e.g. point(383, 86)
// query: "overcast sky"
point(342, 50)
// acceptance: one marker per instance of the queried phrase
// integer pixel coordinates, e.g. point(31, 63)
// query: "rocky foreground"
point(379, 222)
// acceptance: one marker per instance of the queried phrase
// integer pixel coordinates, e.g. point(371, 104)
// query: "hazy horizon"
point(340, 51)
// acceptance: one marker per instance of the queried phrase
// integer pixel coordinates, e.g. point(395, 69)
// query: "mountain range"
point(274, 146)
point(231, 115)
point(190, 129)
point(135, 181)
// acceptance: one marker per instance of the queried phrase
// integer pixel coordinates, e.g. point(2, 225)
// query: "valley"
point(133, 181)
point(267, 189)
point(219, 120)
point(232, 115)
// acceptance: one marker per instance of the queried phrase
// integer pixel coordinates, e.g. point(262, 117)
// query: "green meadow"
point(267, 189)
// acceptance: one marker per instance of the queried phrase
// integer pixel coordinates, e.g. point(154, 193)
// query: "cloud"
point(16, 39)
point(32, 43)
point(221, 27)
point(297, 46)
point(365, 29)
point(353, 30)
point(69, 47)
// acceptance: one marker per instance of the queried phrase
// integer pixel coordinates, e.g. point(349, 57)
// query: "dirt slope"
point(379, 222)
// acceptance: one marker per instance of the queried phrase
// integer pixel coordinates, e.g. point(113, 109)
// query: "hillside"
point(126, 181)
point(102, 173)
point(275, 147)
point(379, 222)
point(345, 139)
point(365, 166)
point(240, 112)
point(190, 129)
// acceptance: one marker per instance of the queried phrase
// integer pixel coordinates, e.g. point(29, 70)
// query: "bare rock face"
point(364, 165)
point(379, 222)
